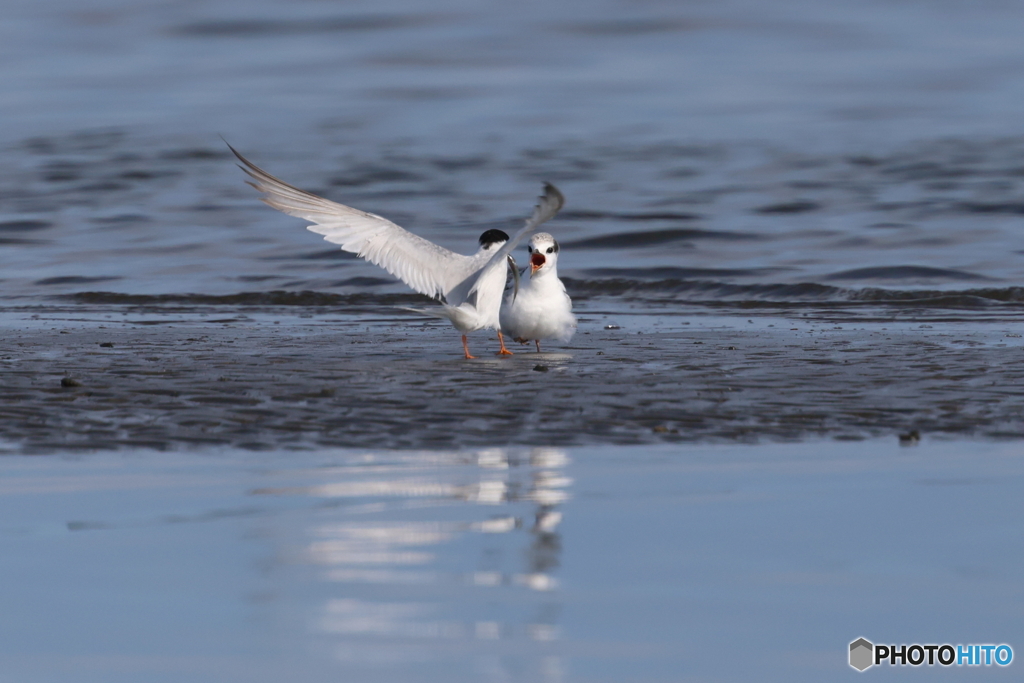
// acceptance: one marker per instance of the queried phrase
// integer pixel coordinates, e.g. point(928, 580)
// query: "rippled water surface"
point(709, 145)
point(793, 238)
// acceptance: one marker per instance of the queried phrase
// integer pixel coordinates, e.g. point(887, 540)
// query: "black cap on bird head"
point(493, 237)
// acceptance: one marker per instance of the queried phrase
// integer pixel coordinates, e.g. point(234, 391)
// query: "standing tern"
point(469, 287)
point(540, 308)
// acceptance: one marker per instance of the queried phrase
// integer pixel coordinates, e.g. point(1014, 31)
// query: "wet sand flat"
point(368, 376)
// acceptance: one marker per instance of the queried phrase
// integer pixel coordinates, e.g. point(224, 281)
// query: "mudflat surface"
point(361, 373)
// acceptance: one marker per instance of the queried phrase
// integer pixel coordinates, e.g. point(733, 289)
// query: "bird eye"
point(550, 249)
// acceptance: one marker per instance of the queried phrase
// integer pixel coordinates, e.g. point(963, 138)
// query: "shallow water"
point(117, 217)
point(733, 144)
point(658, 563)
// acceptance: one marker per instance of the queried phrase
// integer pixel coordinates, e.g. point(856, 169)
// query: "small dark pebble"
point(732, 348)
point(69, 382)
point(912, 436)
point(540, 368)
point(107, 345)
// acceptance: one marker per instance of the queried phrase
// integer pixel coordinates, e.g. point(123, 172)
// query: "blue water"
point(452, 75)
point(729, 563)
point(851, 144)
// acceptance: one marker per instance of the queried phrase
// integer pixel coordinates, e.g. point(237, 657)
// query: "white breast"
point(541, 310)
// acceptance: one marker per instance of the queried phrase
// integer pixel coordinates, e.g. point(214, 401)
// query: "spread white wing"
point(426, 267)
point(551, 202)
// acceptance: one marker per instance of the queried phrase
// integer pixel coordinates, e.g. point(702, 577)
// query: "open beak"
point(536, 261)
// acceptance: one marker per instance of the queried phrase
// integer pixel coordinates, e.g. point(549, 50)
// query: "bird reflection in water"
point(461, 548)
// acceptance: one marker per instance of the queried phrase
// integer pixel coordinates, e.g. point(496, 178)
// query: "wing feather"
point(551, 202)
point(426, 267)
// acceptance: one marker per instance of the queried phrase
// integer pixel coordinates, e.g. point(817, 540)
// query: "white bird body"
point(469, 287)
point(487, 283)
point(540, 308)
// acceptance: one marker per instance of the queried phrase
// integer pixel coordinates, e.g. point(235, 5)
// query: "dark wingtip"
point(235, 151)
point(551, 191)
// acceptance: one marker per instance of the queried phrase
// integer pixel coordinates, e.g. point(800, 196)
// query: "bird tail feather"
point(465, 320)
point(438, 312)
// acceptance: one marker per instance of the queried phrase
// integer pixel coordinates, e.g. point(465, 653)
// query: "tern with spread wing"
point(469, 288)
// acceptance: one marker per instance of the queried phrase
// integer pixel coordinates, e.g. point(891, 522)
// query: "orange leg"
point(465, 347)
point(537, 342)
point(503, 351)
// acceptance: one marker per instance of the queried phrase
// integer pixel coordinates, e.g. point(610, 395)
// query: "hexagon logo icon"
point(862, 654)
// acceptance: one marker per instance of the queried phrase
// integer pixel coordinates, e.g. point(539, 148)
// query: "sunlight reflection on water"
point(506, 541)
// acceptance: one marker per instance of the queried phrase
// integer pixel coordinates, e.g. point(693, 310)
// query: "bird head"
point(492, 239)
point(543, 252)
